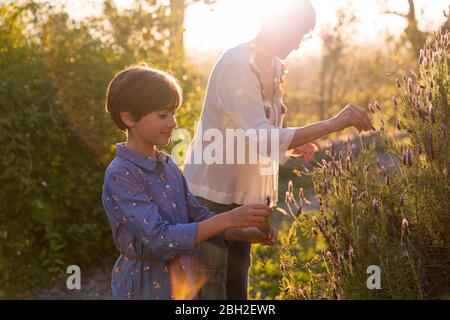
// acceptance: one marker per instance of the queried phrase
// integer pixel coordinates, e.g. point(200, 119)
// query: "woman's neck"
point(140, 146)
point(263, 55)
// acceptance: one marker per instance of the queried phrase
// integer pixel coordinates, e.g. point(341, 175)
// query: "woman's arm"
point(351, 115)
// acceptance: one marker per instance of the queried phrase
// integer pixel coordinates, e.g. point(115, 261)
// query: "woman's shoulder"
point(234, 57)
point(241, 51)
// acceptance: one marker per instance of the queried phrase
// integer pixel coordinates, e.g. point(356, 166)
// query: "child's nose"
point(173, 122)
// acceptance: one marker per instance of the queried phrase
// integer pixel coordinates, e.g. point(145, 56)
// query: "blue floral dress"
point(154, 220)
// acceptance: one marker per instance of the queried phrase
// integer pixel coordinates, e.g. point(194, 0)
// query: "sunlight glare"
point(227, 24)
point(236, 21)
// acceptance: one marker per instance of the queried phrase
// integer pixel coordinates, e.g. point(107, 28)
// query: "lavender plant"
point(394, 215)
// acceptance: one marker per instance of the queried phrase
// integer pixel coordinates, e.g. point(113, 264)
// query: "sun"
point(226, 24)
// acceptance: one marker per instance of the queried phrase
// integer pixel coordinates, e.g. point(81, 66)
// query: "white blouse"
point(235, 100)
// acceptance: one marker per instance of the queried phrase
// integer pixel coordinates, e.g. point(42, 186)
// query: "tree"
point(56, 136)
point(335, 39)
point(446, 25)
point(412, 35)
point(177, 15)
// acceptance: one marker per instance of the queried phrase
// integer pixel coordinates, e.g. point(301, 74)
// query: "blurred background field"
point(56, 58)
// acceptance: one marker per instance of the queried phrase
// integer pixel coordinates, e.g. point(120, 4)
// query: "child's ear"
point(127, 119)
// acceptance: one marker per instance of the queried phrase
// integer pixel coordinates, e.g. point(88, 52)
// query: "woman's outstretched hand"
point(352, 115)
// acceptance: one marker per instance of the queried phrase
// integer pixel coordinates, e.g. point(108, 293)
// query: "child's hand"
point(251, 215)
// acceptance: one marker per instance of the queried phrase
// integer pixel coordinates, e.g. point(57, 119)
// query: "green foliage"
point(394, 217)
point(50, 183)
point(55, 135)
point(275, 268)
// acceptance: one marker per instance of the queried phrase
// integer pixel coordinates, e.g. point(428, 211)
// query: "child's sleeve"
point(141, 217)
point(198, 212)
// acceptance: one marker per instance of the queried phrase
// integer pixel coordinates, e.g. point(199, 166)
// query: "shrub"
point(396, 217)
point(56, 138)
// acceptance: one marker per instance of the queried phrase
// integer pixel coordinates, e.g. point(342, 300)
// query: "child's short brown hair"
point(140, 90)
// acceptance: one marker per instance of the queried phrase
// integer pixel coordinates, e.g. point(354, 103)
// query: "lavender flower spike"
point(432, 116)
point(375, 206)
point(409, 157)
point(410, 86)
point(405, 226)
point(377, 105)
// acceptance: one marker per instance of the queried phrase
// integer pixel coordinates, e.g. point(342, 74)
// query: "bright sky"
point(235, 21)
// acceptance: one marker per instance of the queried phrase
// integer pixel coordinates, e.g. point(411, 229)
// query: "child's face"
point(155, 128)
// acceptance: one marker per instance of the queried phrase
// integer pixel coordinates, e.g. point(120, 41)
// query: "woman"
point(244, 93)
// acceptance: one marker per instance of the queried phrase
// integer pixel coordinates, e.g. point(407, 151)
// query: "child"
point(156, 222)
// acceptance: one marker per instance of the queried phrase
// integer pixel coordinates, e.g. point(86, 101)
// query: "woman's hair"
point(289, 15)
point(141, 89)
